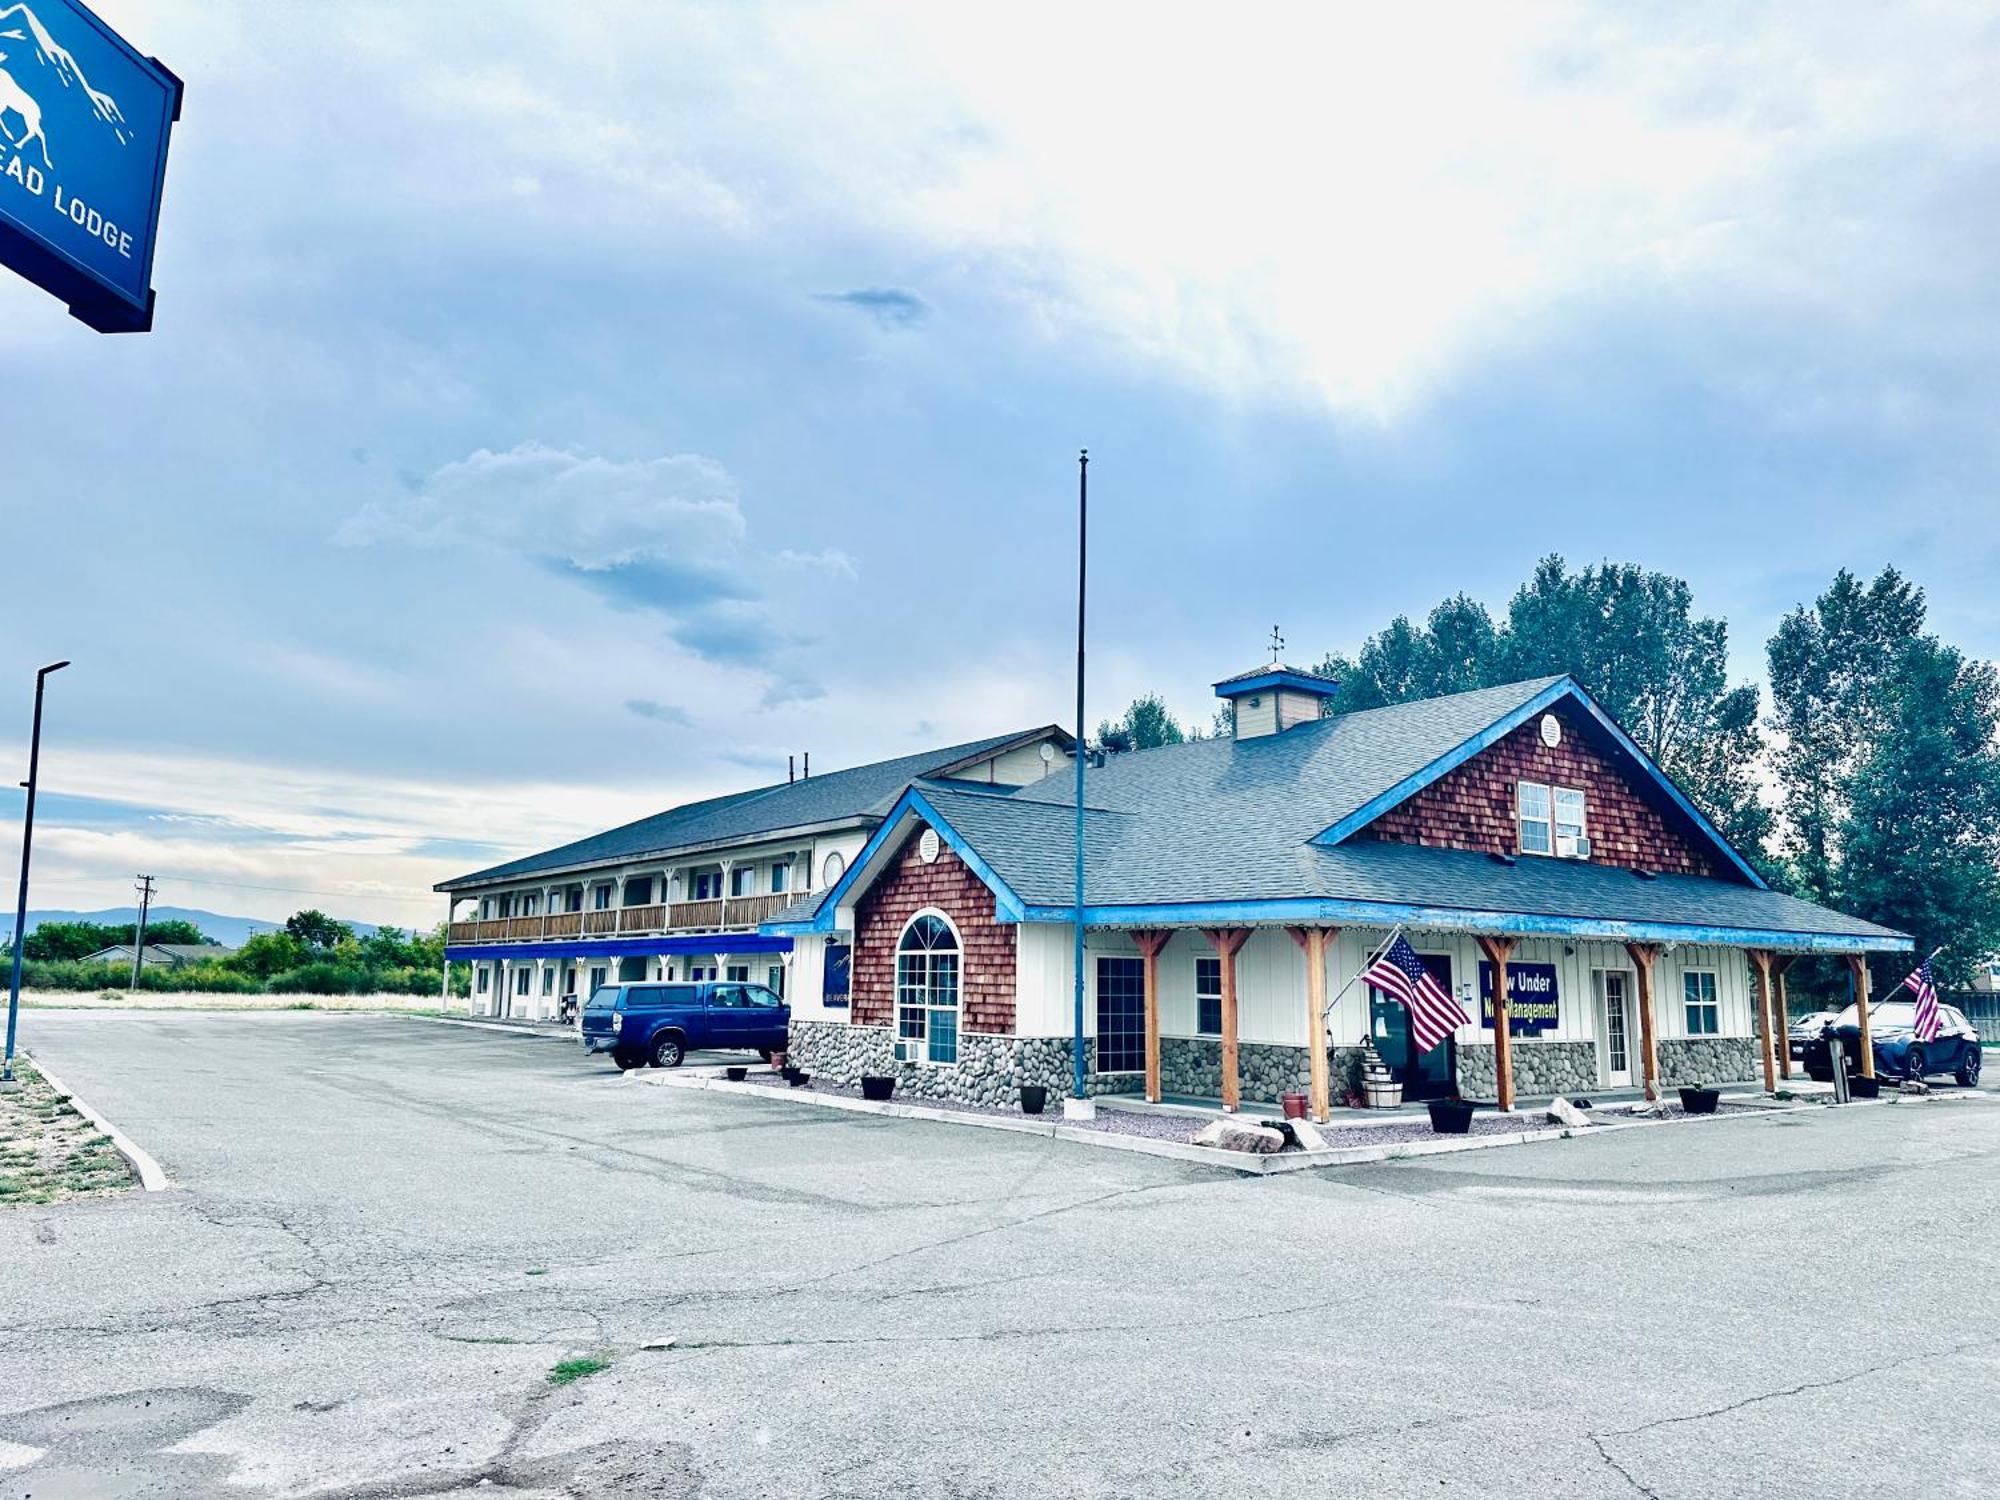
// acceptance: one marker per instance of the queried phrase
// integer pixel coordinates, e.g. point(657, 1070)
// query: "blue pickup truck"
point(659, 1024)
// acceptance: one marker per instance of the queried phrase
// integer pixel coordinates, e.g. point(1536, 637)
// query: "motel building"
point(680, 895)
point(1235, 888)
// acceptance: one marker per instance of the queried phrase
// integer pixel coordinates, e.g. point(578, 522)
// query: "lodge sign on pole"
point(84, 122)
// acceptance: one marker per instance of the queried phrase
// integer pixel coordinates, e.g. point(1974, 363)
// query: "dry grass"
point(196, 1000)
point(48, 1152)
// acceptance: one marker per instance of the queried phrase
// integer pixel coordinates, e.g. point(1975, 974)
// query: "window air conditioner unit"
point(1580, 846)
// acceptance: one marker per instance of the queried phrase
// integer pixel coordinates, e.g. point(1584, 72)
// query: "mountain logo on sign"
point(53, 67)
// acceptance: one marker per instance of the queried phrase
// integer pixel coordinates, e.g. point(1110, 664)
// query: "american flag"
point(1929, 1023)
point(1434, 1015)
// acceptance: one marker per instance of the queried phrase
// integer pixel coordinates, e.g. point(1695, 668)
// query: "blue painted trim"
point(720, 942)
point(1008, 907)
point(1323, 687)
point(1492, 734)
point(1523, 924)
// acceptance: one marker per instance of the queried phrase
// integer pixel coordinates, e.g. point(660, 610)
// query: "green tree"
point(316, 929)
point(1146, 725)
point(1630, 637)
point(59, 942)
point(266, 953)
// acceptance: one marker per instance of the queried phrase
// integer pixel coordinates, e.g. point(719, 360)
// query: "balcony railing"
point(626, 921)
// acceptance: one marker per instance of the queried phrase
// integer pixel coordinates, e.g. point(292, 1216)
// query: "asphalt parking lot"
point(383, 1234)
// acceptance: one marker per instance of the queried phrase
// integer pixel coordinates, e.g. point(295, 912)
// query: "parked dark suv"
point(660, 1024)
point(1892, 1031)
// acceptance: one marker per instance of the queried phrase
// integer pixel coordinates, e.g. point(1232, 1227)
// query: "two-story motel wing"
point(679, 895)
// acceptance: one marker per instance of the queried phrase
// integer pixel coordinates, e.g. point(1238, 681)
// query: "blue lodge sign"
point(84, 121)
point(1532, 1004)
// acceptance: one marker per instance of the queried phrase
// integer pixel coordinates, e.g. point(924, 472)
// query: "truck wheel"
point(669, 1052)
point(627, 1059)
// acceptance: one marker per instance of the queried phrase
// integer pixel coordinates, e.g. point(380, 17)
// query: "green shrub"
point(67, 974)
point(322, 978)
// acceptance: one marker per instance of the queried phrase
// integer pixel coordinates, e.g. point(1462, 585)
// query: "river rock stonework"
point(1539, 1068)
point(1702, 1061)
point(990, 1069)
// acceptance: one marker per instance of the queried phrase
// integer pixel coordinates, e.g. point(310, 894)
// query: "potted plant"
point(1293, 1103)
point(778, 1059)
point(1700, 1101)
point(1034, 1098)
point(797, 1078)
point(788, 1073)
point(736, 1075)
point(1861, 1086)
point(877, 1086)
point(1450, 1116)
point(1378, 1085)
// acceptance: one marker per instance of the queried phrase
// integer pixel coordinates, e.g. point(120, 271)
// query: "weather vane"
point(1277, 643)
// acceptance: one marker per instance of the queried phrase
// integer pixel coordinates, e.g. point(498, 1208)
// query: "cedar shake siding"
point(986, 967)
point(1472, 807)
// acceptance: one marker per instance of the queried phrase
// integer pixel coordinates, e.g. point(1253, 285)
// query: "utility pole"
point(27, 842)
point(145, 890)
point(1080, 1105)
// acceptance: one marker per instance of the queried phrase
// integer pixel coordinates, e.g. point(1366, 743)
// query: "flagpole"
point(1394, 933)
point(1078, 1080)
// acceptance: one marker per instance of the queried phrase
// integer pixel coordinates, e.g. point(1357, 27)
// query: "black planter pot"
point(1861, 1086)
point(736, 1075)
point(1700, 1101)
point(788, 1073)
point(797, 1079)
point(1450, 1116)
point(877, 1087)
point(1034, 1098)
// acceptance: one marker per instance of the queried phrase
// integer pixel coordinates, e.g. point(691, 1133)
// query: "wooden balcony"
point(736, 913)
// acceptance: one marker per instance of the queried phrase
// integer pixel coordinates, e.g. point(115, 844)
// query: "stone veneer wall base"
point(990, 1069)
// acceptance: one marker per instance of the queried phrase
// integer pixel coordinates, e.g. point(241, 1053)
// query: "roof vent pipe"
point(809, 767)
point(791, 769)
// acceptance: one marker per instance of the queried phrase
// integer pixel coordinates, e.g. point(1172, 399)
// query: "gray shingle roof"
point(830, 797)
point(1226, 821)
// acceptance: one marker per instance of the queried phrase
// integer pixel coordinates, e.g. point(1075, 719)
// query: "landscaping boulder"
point(1240, 1135)
point(1562, 1112)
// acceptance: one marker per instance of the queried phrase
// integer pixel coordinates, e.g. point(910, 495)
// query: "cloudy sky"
point(558, 411)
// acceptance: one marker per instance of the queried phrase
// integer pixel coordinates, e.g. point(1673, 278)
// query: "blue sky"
point(557, 412)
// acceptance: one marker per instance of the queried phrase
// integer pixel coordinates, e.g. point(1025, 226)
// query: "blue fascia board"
point(1331, 911)
point(1492, 734)
point(720, 942)
point(1324, 687)
point(1008, 907)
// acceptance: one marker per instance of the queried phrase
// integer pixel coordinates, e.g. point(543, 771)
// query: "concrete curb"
point(1228, 1161)
point(559, 1034)
point(151, 1177)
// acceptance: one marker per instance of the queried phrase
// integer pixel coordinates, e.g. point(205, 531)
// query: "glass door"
point(1121, 1015)
point(1617, 1031)
point(1424, 1075)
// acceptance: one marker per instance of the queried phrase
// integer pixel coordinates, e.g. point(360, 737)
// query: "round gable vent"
point(1552, 731)
point(927, 847)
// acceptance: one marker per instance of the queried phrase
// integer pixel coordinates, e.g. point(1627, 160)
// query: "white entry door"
point(1617, 1030)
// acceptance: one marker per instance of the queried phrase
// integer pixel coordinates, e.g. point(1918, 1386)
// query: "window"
point(743, 880)
point(1533, 808)
point(1121, 1015)
point(574, 901)
point(639, 891)
point(836, 866)
point(1569, 823)
point(482, 980)
point(738, 974)
point(762, 997)
point(707, 885)
point(530, 904)
point(1551, 819)
point(597, 974)
point(600, 899)
point(778, 874)
point(1698, 993)
point(774, 980)
point(927, 991)
point(548, 981)
point(699, 972)
point(1208, 996)
point(521, 981)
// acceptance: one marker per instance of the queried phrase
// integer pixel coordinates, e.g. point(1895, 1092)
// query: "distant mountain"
point(228, 930)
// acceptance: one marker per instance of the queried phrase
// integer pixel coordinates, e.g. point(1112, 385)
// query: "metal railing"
point(679, 916)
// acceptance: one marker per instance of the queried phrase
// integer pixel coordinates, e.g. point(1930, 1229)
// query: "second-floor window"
point(639, 891)
point(1550, 819)
point(707, 885)
point(778, 874)
point(600, 899)
point(742, 880)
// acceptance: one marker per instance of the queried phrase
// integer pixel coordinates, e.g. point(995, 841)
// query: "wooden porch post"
point(1781, 963)
point(1498, 950)
point(1857, 965)
point(1643, 955)
point(1760, 959)
point(1150, 941)
point(1226, 941)
point(1318, 942)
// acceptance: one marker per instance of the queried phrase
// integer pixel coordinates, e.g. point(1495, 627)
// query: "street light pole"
point(27, 842)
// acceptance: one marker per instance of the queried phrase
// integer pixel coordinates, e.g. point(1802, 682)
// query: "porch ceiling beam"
point(1227, 941)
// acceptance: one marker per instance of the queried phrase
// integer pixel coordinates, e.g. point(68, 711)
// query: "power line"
point(298, 890)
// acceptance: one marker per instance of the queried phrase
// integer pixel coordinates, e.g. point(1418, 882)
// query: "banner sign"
point(84, 121)
point(1531, 998)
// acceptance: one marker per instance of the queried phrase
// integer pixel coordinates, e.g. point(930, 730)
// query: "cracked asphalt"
point(383, 1233)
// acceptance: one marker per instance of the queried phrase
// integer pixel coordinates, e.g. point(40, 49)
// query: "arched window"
point(927, 991)
point(832, 870)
